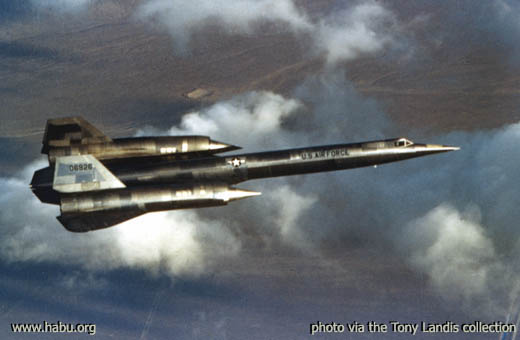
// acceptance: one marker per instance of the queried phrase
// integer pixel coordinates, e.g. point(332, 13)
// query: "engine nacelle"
point(142, 147)
point(87, 211)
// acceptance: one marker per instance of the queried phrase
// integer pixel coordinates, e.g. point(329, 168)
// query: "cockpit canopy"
point(403, 142)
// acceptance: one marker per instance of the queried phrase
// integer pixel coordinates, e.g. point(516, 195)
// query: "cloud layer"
point(250, 120)
point(454, 221)
point(365, 27)
point(176, 243)
point(182, 18)
point(452, 217)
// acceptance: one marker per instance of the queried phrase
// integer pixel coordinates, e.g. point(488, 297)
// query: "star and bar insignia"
point(235, 162)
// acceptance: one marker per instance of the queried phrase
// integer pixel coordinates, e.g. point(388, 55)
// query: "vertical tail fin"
point(82, 173)
point(69, 131)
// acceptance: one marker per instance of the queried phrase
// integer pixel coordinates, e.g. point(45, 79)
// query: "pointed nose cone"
point(440, 148)
point(451, 148)
point(218, 147)
point(431, 149)
point(233, 194)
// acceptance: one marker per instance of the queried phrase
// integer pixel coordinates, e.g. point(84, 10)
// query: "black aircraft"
point(99, 182)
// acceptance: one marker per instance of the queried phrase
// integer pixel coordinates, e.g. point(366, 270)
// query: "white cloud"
point(454, 250)
point(178, 242)
point(364, 28)
point(354, 31)
point(253, 119)
point(418, 206)
point(181, 18)
point(290, 208)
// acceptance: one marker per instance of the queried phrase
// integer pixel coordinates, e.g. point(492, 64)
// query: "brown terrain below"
point(118, 71)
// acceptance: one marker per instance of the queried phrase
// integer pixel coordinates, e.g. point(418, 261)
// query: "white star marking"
point(235, 162)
